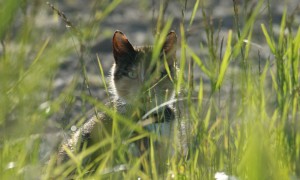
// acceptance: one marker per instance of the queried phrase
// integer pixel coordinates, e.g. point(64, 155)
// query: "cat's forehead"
point(143, 54)
point(144, 49)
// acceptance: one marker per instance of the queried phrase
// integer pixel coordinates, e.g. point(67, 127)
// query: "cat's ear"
point(122, 49)
point(170, 44)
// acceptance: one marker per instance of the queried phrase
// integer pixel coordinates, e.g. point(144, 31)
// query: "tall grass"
point(244, 121)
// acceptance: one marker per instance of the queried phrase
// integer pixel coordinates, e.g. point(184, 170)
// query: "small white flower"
point(221, 176)
point(73, 128)
point(45, 106)
point(11, 165)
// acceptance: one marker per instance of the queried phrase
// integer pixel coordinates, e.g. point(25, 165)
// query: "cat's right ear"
point(169, 46)
point(122, 49)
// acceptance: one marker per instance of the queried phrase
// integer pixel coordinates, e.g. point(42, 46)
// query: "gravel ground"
point(137, 20)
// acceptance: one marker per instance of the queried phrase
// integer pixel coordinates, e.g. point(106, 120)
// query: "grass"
point(241, 116)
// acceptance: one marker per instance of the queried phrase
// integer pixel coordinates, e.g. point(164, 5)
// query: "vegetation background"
point(239, 75)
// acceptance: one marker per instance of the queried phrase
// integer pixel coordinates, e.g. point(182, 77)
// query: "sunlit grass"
point(244, 121)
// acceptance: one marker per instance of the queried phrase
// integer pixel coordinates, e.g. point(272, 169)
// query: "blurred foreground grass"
point(246, 124)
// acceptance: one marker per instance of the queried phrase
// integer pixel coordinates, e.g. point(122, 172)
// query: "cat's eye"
point(132, 74)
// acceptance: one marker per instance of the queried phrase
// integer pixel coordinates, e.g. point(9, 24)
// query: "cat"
point(138, 83)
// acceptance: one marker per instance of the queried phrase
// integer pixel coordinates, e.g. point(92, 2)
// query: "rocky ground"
point(137, 19)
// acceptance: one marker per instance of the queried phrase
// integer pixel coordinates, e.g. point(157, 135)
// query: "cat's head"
point(137, 78)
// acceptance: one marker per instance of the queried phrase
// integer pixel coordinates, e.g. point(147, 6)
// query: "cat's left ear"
point(170, 44)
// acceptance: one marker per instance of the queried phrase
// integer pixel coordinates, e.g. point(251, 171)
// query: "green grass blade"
point(282, 29)
point(268, 39)
point(102, 74)
point(194, 13)
point(7, 12)
point(167, 68)
point(160, 40)
point(31, 66)
point(199, 62)
point(180, 78)
point(225, 62)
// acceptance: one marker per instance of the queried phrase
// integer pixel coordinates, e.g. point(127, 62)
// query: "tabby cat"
point(138, 84)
